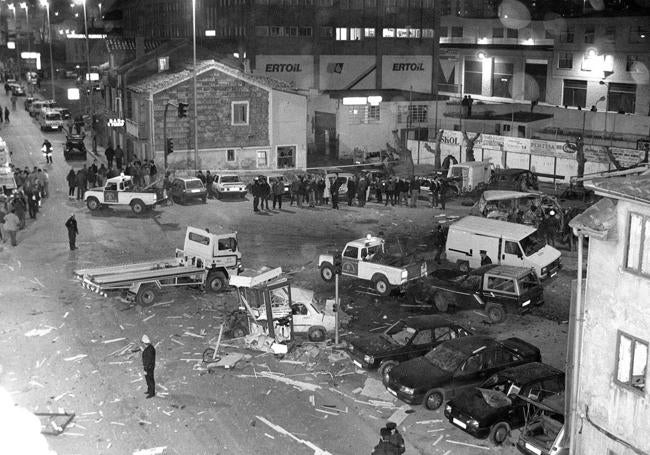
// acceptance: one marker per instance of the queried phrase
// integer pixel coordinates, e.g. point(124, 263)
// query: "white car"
point(228, 184)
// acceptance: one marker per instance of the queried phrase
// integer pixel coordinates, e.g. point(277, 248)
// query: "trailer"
point(207, 261)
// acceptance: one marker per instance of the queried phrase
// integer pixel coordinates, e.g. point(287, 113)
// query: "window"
point(290, 31)
point(230, 155)
point(502, 80)
point(631, 361)
point(327, 32)
point(473, 364)
point(639, 34)
point(198, 238)
point(621, 98)
point(304, 31)
point(261, 158)
point(610, 34)
point(637, 257)
point(428, 33)
point(444, 333)
point(369, 32)
point(497, 32)
point(444, 32)
point(351, 252)
point(501, 284)
point(511, 247)
point(286, 157)
point(239, 112)
point(473, 77)
point(388, 33)
point(590, 34)
point(360, 114)
point(512, 33)
point(632, 64)
point(423, 337)
point(373, 114)
point(457, 32)
point(565, 61)
point(414, 113)
point(355, 34)
point(341, 34)
point(567, 35)
point(298, 308)
point(276, 31)
point(574, 93)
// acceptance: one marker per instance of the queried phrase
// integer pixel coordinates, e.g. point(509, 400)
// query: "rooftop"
point(597, 221)
point(632, 187)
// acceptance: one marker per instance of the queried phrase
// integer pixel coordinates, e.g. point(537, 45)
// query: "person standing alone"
point(71, 225)
point(149, 363)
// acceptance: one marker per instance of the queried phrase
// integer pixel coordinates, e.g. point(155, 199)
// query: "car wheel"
point(137, 207)
point(440, 302)
point(216, 281)
point(499, 433)
point(385, 368)
point(381, 285)
point(433, 400)
point(92, 203)
point(495, 312)
point(317, 334)
point(327, 272)
point(146, 295)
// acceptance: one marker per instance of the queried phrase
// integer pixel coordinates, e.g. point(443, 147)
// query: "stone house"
point(244, 122)
point(609, 411)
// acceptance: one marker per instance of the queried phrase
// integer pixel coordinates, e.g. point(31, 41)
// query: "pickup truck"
point(492, 288)
point(121, 191)
point(367, 260)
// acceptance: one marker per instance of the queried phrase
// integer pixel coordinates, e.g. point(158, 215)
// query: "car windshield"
point(230, 179)
point(445, 357)
point(53, 117)
point(529, 281)
point(500, 384)
point(532, 244)
point(399, 333)
point(193, 184)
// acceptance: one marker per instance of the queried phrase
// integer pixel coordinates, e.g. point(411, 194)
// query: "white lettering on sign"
point(283, 68)
point(408, 66)
point(115, 122)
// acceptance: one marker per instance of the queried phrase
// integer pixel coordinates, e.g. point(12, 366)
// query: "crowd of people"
point(26, 199)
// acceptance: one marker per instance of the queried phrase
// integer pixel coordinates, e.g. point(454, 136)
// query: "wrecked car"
point(494, 408)
point(455, 366)
point(544, 432)
point(493, 288)
point(403, 340)
point(513, 179)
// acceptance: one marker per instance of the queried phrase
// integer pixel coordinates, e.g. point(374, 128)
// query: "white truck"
point(504, 243)
point(120, 190)
point(367, 260)
point(206, 260)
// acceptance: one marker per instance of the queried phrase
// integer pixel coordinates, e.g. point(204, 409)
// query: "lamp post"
point(196, 134)
point(46, 4)
point(23, 5)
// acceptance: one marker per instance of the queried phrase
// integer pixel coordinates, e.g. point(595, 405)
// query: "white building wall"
point(288, 125)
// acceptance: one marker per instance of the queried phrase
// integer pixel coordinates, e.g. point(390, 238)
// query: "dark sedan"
point(403, 340)
point(495, 407)
point(455, 366)
point(185, 189)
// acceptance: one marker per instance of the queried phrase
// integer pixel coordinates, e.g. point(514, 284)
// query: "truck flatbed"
point(113, 276)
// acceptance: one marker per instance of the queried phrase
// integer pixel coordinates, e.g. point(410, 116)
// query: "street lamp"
point(196, 134)
point(46, 4)
point(23, 5)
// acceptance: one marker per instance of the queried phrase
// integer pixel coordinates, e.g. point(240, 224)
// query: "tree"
point(469, 146)
point(436, 152)
point(405, 156)
point(612, 159)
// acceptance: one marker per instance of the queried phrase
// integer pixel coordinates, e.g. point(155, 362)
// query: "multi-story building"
point(609, 409)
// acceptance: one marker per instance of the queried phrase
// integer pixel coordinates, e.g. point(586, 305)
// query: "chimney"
point(139, 46)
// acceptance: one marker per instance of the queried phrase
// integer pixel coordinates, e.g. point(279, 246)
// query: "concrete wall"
point(289, 125)
point(614, 300)
point(371, 137)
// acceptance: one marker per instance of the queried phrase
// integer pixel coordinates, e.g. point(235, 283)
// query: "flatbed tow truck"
point(207, 260)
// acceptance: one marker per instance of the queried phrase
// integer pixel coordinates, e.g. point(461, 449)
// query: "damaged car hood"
point(419, 373)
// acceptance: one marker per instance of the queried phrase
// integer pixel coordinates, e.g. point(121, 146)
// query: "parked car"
point(17, 89)
point(455, 366)
point(493, 288)
point(513, 179)
point(28, 101)
point(495, 408)
point(36, 106)
point(50, 119)
point(185, 189)
point(65, 113)
point(228, 184)
point(74, 147)
point(8, 84)
point(403, 340)
point(544, 432)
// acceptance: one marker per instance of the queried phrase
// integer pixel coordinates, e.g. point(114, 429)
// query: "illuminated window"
point(355, 34)
point(631, 362)
point(262, 158)
point(388, 33)
point(369, 32)
point(341, 34)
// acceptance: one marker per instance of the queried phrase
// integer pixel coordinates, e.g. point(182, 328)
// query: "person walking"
point(362, 191)
point(335, 186)
point(434, 192)
point(256, 190)
point(266, 193)
point(442, 193)
point(20, 205)
point(33, 199)
point(81, 183)
point(71, 226)
point(11, 226)
point(72, 183)
point(278, 189)
point(415, 191)
point(119, 157)
point(352, 189)
point(148, 364)
point(110, 154)
point(395, 437)
point(46, 148)
point(6, 114)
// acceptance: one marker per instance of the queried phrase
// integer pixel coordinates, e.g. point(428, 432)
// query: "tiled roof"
point(631, 187)
point(162, 81)
point(115, 44)
point(598, 220)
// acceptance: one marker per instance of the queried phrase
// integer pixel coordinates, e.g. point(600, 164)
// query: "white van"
point(50, 119)
point(505, 243)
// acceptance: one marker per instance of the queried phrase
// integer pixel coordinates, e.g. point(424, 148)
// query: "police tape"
point(94, 289)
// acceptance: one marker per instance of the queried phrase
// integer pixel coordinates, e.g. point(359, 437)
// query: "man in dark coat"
point(110, 154)
point(485, 259)
point(119, 156)
point(71, 225)
point(256, 190)
point(352, 190)
point(385, 446)
point(82, 181)
point(334, 190)
point(149, 363)
point(395, 437)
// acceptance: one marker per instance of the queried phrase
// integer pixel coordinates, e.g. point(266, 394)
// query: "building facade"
point(612, 402)
point(244, 123)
